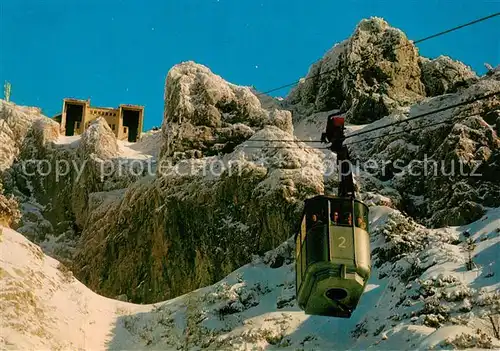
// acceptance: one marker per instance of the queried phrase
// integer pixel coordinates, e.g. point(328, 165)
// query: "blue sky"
point(119, 51)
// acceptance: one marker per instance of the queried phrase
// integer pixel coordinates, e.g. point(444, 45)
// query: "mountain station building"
point(125, 121)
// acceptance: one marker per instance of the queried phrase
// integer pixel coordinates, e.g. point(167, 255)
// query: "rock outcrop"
point(370, 74)
point(444, 75)
point(376, 72)
point(53, 180)
point(197, 221)
point(205, 115)
point(9, 209)
point(15, 123)
point(99, 140)
point(444, 172)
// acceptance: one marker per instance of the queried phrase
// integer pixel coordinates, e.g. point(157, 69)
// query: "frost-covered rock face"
point(446, 173)
point(15, 123)
point(146, 239)
point(53, 181)
point(9, 209)
point(444, 75)
point(165, 236)
point(372, 73)
point(205, 115)
point(99, 140)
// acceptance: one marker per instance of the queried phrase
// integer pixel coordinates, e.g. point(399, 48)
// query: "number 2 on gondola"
point(342, 241)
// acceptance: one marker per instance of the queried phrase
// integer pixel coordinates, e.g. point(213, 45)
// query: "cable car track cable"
point(306, 147)
point(425, 114)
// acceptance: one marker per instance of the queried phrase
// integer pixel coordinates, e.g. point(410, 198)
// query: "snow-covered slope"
point(148, 146)
point(42, 306)
point(254, 308)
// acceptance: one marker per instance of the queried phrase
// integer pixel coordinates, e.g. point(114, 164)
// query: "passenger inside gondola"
point(361, 223)
point(345, 219)
point(361, 217)
point(314, 220)
point(348, 216)
point(335, 218)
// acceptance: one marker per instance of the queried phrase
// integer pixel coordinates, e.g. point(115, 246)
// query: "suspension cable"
point(462, 103)
point(363, 140)
point(424, 114)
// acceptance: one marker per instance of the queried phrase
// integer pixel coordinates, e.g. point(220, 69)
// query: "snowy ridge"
point(149, 145)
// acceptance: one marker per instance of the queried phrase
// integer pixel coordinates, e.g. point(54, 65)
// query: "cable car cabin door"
point(342, 250)
point(317, 250)
point(312, 251)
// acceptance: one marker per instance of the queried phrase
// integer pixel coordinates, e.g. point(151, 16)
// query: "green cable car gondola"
point(333, 256)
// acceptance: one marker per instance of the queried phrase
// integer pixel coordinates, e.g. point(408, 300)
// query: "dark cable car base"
point(329, 290)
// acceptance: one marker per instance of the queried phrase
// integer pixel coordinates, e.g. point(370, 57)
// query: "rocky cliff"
point(154, 235)
point(376, 71)
point(205, 115)
point(444, 75)
point(195, 222)
point(52, 176)
point(441, 164)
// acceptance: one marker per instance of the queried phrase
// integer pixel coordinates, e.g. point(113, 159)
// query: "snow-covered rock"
point(206, 215)
point(205, 115)
point(99, 140)
point(15, 123)
point(150, 144)
point(444, 172)
point(444, 75)
point(371, 74)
